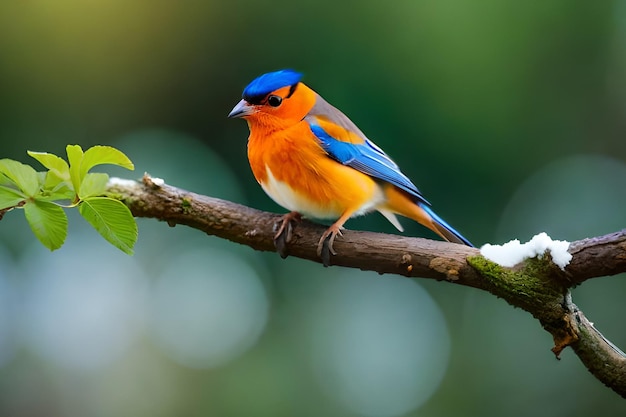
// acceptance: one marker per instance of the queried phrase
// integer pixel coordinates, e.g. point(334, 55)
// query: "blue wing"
point(365, 157)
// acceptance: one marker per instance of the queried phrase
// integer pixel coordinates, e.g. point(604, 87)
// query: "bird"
point(311, 159)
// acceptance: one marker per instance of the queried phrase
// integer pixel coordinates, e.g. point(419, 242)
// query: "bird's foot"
point(284, 232)
point(325, 245)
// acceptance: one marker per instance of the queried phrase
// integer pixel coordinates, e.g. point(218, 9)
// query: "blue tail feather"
point(448, 231)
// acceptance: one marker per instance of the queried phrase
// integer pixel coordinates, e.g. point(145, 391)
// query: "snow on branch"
point(514, 252)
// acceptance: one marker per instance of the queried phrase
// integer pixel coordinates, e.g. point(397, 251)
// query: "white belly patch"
point(285, 196)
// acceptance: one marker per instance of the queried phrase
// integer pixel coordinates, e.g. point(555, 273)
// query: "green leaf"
point(57, 179)
point(62, 191)
point(41, 177)
point(53, 163)
point(4, 180)
point(94, 184)
point(10, 197)
point(112, 219)
point(53, 183)
point(98, 155)
point(48, 222)
point(75, 158)
point(24, 176)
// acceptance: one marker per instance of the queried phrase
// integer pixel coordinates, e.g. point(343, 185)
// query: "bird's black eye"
point(274, 101)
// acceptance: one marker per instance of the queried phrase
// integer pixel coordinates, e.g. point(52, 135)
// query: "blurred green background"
point(509, 116)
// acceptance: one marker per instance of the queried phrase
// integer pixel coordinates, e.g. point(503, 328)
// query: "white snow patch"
point(514, 252)
point(122, 182)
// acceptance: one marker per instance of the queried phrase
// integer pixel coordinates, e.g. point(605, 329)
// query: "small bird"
point(314, 161)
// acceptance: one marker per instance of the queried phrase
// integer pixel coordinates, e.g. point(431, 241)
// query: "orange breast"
point(296, 172)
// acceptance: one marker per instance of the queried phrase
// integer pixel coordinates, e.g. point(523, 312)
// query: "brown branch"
point(601, 357)
point(537, 286)
point(383, 253)
point(597, 257)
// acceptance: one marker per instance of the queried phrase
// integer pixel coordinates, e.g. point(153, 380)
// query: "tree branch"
point(597, 257)
point(537, 285)
point(601, 357)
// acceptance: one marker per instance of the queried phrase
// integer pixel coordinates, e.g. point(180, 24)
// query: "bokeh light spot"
point(381, 345)
point(179, 159)
point(571, 198)
point(209, 307)
point(83, 305)
point(8, 306)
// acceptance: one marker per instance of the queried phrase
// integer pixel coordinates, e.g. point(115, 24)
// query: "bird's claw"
point(284, 232)
point(325, 245)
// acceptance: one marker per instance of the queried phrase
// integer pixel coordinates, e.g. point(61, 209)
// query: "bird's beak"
point(242, 109)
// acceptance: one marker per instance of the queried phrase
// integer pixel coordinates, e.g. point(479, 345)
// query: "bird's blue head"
point(264, 84)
